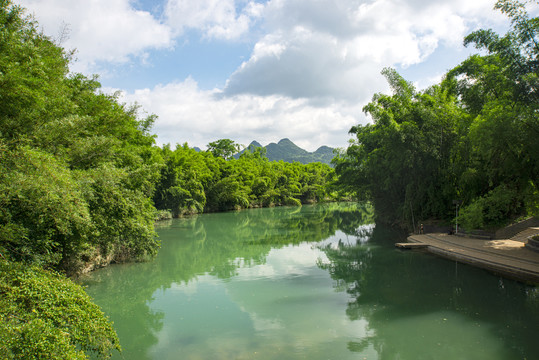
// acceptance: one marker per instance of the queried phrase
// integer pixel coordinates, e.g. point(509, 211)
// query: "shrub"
point(491, 210)
point(44, 315)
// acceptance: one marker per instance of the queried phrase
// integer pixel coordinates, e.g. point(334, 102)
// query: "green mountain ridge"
point(287, 151)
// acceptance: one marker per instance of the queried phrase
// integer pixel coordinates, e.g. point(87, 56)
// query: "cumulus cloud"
point(214, 18)
point(313, 63)
point(335, 49)
point(189, 114)
point(101, 30)
point(303, 64)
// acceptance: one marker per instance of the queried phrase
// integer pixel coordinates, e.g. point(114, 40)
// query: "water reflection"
point(313, 282)
point(422, 307)
point(200, 250)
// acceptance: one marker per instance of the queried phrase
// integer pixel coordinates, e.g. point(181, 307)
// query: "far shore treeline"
point(82, 181)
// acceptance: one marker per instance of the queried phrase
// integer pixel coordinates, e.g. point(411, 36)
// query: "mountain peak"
point(287, 151)
point(290, 146)
point(285, 141)
point(255, 144)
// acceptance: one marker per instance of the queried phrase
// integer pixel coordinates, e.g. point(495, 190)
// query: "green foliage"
point(44, 217)
point(183, 178)
point(492, 209)
point(32, 71)
point(123, 217)
point(193, 181)
point(401, 162)
point(224, 148)
point(77, 168)
point(500, 89)
point(473, 137)
point(43, 315)
point(77, 175)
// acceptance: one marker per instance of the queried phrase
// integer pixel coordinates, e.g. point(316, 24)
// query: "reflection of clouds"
point(189, 289)
point(262, 325)
point(284, 308)
point(290, 261)
point(340, 238)
point(291, 302)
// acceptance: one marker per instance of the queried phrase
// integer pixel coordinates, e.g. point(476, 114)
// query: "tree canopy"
point(193, 182)
point(81, 180)
point(77, 173)
point(224, 148)
point(471, 138)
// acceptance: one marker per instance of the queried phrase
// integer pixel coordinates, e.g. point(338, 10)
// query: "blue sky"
point(260, 70)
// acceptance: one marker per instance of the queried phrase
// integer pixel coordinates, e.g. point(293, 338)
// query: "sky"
point(260, 69)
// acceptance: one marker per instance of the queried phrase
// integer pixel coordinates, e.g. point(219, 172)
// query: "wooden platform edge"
point(411, 245)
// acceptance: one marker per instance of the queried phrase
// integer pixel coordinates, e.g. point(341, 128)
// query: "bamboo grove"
point(471, 140)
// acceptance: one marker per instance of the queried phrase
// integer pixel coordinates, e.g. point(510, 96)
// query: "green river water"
point(315, 282)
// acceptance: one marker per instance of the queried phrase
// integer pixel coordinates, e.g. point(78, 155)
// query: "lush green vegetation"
point(471, 138)
point(77, 171)
point(194, 181)
point(80, 181)
point(77, 168)
point(45, 316)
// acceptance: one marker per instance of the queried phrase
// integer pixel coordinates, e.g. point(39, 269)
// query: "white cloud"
point(304, 64)
point(313, 65)
point(335, 49)
point(101, 30)
point(189, 114)
point(308, 77)
point(214, 18)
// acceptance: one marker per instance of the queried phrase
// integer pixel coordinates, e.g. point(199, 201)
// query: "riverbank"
point(506, 257)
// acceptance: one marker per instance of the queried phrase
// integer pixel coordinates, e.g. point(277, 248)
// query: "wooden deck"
point(411, 245)
point(506, 257)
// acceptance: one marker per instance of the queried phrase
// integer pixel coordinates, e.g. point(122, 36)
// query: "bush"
point(44, 315)
point(471, 216)
point(491, 210)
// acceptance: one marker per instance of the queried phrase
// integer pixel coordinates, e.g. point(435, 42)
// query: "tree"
point(181, 188)
point(401, 161)
point(44, 217)
point(32, 72)
point(77, 174)
point(78, 167)
point(224, 148)
point(500, 90)
point(473, 137)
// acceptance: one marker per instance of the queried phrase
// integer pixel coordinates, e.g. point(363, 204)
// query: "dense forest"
point(471, 140)
point(82, 183)
point(213, 180)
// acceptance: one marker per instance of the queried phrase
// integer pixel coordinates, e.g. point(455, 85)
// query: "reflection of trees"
point(124, 298)
point(215, 244)
point(389, 287)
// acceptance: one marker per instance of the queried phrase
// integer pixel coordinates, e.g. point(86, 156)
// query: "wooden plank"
point(411, 245)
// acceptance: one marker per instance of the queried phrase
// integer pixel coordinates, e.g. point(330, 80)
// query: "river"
point(311, 282)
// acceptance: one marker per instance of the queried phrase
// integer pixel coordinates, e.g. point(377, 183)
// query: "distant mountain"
point(254, 144)
point(287, 151)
